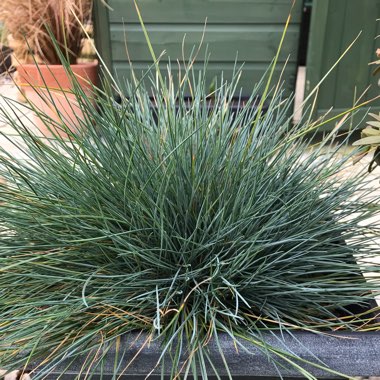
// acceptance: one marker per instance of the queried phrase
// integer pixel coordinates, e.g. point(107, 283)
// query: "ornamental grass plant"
point(32, 22)
point(183, 221)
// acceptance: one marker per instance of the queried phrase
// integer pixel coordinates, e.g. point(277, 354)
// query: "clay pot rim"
point(42, 64)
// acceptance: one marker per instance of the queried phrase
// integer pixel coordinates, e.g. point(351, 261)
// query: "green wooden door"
point(246, 30)
point(334, 25)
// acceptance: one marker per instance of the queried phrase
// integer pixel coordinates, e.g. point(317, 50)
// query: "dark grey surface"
point(354, 354)
point(5, 59)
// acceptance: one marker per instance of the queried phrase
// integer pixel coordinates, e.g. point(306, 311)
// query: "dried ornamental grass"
point(32, 22)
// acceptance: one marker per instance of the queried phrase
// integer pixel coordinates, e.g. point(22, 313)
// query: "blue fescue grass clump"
point(181, 220)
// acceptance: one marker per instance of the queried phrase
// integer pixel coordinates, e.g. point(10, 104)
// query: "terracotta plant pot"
point(49, 89)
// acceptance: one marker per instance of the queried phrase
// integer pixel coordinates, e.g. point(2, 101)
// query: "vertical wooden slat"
point(315, 48)
point(363, 15)
point(102, 32)
point(334, 26)
point(333, 48)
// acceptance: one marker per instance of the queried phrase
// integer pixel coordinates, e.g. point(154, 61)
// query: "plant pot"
point(49, 88)
point(352, 353)
point(5, 59)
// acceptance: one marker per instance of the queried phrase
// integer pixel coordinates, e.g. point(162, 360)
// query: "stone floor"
point(9, 92)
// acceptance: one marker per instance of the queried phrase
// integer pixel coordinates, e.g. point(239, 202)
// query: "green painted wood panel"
point(216, 11)
point(334, 25)
point(251, 73)
point(250, 43)
point(102, 32)
point(244, 30)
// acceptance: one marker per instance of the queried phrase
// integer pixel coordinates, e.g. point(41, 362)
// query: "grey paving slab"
point(14, 108)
